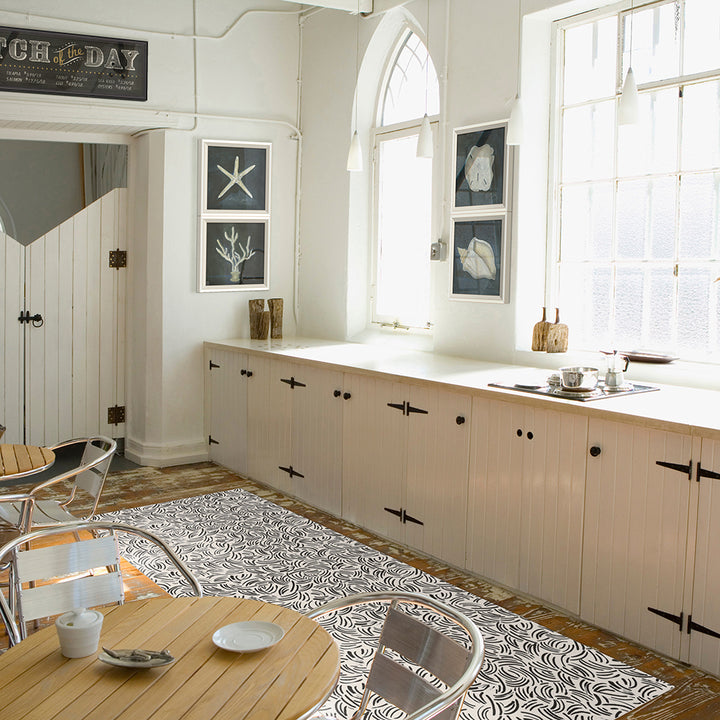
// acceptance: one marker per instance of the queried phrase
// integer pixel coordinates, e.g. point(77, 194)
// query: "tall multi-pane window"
point(637, 207)
point(403, 188)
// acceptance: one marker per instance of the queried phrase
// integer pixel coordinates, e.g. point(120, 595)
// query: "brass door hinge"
point(116, 415)
point(118, 258)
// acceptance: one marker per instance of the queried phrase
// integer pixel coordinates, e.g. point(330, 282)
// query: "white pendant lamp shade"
point(354, 161)
point(515, 124)
point(425, 139)
point(628, 103)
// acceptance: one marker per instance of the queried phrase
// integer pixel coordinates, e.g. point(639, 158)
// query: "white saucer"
point(121, 662)
point(250, 636)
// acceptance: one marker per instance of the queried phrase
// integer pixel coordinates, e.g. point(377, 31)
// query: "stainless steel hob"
point(599, 393)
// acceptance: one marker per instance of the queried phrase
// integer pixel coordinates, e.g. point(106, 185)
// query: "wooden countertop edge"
point(596, 409)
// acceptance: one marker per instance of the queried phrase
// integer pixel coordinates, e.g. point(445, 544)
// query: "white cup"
point(79, 632)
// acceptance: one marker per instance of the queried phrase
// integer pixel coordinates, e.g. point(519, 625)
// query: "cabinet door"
point(495, 491)
point(374, 452)
point(437, 472)
point(317, 420)
point(269, 422)
point(704, 635)
point(636, 523)
point(526, 496)
point(226, 408)
point(552, 501)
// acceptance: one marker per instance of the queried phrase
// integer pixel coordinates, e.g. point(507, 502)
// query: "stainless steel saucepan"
point(579, 378)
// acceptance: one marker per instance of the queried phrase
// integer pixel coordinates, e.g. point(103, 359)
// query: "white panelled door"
point(74, 367)
point(12, 270)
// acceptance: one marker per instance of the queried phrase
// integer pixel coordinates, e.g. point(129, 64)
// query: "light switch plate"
point(437, 250)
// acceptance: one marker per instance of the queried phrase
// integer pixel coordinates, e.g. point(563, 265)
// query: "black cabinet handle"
point(519, 432)
point(397, 406)
point(213, 365)
point(595, 450)
point(460, 420)
point(249, 373)
point(530, 435)
point(398, 513)
point(243, 372)
point(346, 396)
point(336, 393)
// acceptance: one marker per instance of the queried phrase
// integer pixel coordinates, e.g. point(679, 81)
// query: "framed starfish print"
point(235, 177)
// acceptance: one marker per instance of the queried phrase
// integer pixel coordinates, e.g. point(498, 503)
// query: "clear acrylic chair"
point(47, 580)
point(88, 477)
point(409, 648)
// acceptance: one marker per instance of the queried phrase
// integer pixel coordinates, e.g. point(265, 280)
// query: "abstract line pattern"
point(240, 545)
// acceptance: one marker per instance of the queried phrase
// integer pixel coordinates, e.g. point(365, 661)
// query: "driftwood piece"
point(276, 317)
point(256, 309)
point(264, 325)
point(557, 338)
point(540, 333)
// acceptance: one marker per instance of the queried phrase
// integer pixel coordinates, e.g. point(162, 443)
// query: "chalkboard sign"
point(37, 61)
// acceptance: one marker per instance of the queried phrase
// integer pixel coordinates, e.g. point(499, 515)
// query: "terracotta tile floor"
point(696, 695)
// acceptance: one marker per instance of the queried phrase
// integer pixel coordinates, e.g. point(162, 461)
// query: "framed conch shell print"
point(480, 259)
point(481, 168)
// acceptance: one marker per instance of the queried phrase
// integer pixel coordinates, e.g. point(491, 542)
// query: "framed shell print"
point(480, 262)
point(481, 177)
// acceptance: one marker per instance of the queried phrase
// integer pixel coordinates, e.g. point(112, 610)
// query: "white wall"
point(251, 73)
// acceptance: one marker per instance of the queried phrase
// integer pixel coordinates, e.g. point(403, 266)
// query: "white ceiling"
point(349, 5)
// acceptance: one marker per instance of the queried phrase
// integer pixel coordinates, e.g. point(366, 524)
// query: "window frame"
point(378, 133)
point(553, 253)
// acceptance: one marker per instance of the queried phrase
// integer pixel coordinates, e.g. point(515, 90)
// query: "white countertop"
point(680, 409)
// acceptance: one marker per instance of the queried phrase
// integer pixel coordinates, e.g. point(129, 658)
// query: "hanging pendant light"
point(425, 138)
point(355, 160)
point(515, 123)
point(628, 104)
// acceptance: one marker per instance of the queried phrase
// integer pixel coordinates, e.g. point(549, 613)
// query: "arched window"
point(404, 188)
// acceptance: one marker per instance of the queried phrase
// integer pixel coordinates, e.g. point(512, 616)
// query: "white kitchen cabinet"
point(405, 450)
point(526, 495)
point(636, 532)
point(226, 408)
point(295, 431)
point(269, 430)
point(702, 630)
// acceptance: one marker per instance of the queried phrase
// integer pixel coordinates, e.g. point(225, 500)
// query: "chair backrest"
point(89, 475)
point(51, 579)
point(406, 646)
point(97, 456)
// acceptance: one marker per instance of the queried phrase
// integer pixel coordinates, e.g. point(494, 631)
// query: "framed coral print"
point(480, 261)
point(233, 254)
point(235, 177)
point(481, 168)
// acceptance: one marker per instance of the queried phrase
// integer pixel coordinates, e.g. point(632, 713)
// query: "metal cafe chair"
point(407, 646)
point(89, 477)
point(48, 580)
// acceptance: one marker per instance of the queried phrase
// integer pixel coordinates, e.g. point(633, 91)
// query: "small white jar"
point(79, 632)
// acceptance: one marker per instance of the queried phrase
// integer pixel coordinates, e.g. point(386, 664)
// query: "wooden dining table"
point(287, 681)
point(20, 460)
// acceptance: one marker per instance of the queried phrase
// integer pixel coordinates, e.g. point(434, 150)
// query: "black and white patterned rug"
point(238, 544)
